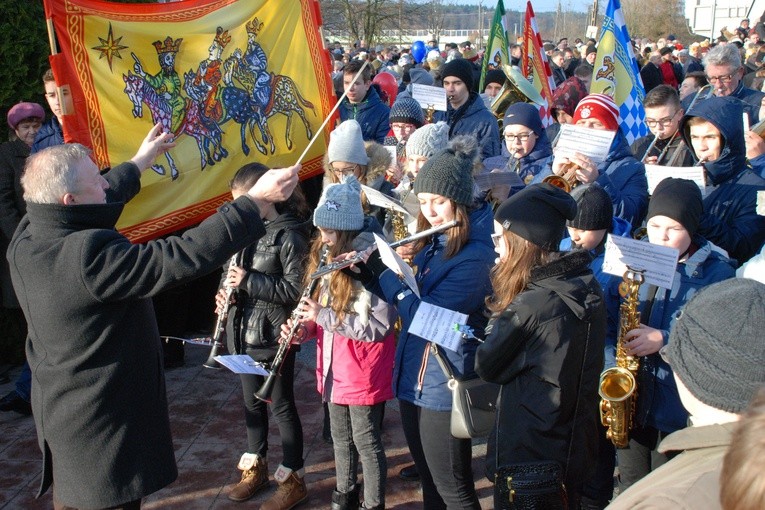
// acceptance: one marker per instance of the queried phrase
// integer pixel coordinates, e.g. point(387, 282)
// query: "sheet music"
point(437, 324)
point(429, 96)
point(655, 174)
point(394, 261)
point(658, 262)
point(382, 200)
point(593, 143)
point(241, 364)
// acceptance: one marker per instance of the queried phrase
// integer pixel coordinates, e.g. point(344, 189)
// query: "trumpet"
point(335, 266)
point(264, 393)
point(219, 333)
point(567, 181)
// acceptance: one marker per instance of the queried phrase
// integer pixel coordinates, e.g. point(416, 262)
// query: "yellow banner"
point(236, 81)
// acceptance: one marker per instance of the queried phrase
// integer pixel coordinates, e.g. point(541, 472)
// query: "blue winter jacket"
point(623, 177)
point(659, 404)
point(730, 218)
point(531, 164)
point(477, 121)
point(50, 134)
point(460, 283)
point(610, 285)
point(371, 113)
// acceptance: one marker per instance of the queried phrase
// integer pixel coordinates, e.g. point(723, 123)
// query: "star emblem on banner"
point(110, 47)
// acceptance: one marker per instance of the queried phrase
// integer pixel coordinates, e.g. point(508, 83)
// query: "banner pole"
point(331, 113)
point(51, 36)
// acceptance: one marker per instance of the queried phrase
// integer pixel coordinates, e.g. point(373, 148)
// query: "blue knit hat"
point(340, 206)
point(524, 114)
point(407, 110)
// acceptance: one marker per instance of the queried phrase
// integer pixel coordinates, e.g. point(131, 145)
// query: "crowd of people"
point(524, 263)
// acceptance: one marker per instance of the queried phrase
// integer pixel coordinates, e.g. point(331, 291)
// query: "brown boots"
point(291, 492)
point(254, 477)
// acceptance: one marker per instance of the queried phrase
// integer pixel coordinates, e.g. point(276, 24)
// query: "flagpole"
point(51, 36)
point(331, 113)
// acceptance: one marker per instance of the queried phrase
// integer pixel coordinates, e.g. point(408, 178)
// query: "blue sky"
point(538, 5)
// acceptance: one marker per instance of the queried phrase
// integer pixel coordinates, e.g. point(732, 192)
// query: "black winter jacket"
point(546, 350)
point(271, 289)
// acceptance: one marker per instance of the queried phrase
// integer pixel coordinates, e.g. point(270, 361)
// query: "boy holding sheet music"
point(674, 216)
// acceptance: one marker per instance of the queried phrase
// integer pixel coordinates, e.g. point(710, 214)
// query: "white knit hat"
point(428, 140)
point(347, 144)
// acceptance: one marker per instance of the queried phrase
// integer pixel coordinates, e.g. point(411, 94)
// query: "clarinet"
point(264, 393)
point(220, 324)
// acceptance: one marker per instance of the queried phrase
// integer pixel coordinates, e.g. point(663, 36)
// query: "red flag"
point(535, 66)
point(236, 82)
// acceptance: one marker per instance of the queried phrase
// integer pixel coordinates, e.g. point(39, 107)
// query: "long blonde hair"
point(511, 276)
point(341, 286)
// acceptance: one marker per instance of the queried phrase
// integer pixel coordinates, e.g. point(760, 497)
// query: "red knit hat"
point(600, 107)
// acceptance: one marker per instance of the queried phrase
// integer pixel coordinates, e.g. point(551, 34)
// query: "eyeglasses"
point(522, 137)
point(349, 170)
point(652, 123)
point(495, 239)
point(725, 78)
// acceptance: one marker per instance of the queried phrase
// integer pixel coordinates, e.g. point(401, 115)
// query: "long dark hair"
point(246, 177)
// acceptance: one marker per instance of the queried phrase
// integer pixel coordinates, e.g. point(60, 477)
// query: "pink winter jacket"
point(354, 359)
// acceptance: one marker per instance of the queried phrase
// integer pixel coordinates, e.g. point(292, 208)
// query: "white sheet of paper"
point(436, 324)
point(394, 261)
point(593, 143)
point(382, 200)
point(761, 203)
point(392, 150)
point(655, 174)
point(658, 262)
point(241, 364)
point(429, 96)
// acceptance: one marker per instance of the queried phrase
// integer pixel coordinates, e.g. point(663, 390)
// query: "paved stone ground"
point(209, 435)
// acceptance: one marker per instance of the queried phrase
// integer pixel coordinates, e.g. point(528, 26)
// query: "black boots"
point(346, 500)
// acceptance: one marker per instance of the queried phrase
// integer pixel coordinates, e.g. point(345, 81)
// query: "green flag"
point(496, 48)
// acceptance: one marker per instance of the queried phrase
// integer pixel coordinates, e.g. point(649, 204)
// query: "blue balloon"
point(419, 51)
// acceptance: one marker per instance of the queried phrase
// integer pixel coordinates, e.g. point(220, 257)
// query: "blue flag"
point(616, 73)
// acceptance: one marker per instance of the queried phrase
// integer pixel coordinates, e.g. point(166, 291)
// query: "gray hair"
point(723, 55)
point(52, 173)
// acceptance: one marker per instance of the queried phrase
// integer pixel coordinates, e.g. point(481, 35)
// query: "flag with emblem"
point(535, 66)
point(497, 52)
point(616, 73)
point(235, 81)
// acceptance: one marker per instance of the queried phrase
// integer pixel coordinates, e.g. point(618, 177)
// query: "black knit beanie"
point(460, 68)
point(679, 199)
point(594, 210)
point(495, 76)
point(407, 110)
point(538, 213)
point(716, 345)
point(449, 172)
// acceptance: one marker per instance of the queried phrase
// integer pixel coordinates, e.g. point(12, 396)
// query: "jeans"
point(640, 457)
point(24, 383)
point(443, 461)
point(356, 435)
point(283, 409)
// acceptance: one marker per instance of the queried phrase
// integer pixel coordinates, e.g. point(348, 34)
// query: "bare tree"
point(654, 19)
point(364, 20)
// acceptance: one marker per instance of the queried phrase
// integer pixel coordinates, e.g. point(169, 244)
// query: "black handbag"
point(530, 486)
point(474, 403)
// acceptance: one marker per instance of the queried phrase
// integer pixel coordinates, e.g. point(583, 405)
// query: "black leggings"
point(284, 411)
point(443, 461)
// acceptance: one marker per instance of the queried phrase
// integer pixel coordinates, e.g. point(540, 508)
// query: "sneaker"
point(254, 477)
point(291, 492)
point(13, 402)
point(409, 473)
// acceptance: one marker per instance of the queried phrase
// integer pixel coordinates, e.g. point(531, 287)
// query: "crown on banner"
point(169, 45)
point(254, 26)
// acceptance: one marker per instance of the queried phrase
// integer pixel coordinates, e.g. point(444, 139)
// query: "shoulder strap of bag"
point(441, 361)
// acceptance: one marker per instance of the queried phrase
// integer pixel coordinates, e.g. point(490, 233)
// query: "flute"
point(329, 268)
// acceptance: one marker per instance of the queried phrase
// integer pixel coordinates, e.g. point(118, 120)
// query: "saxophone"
point(618, 385)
